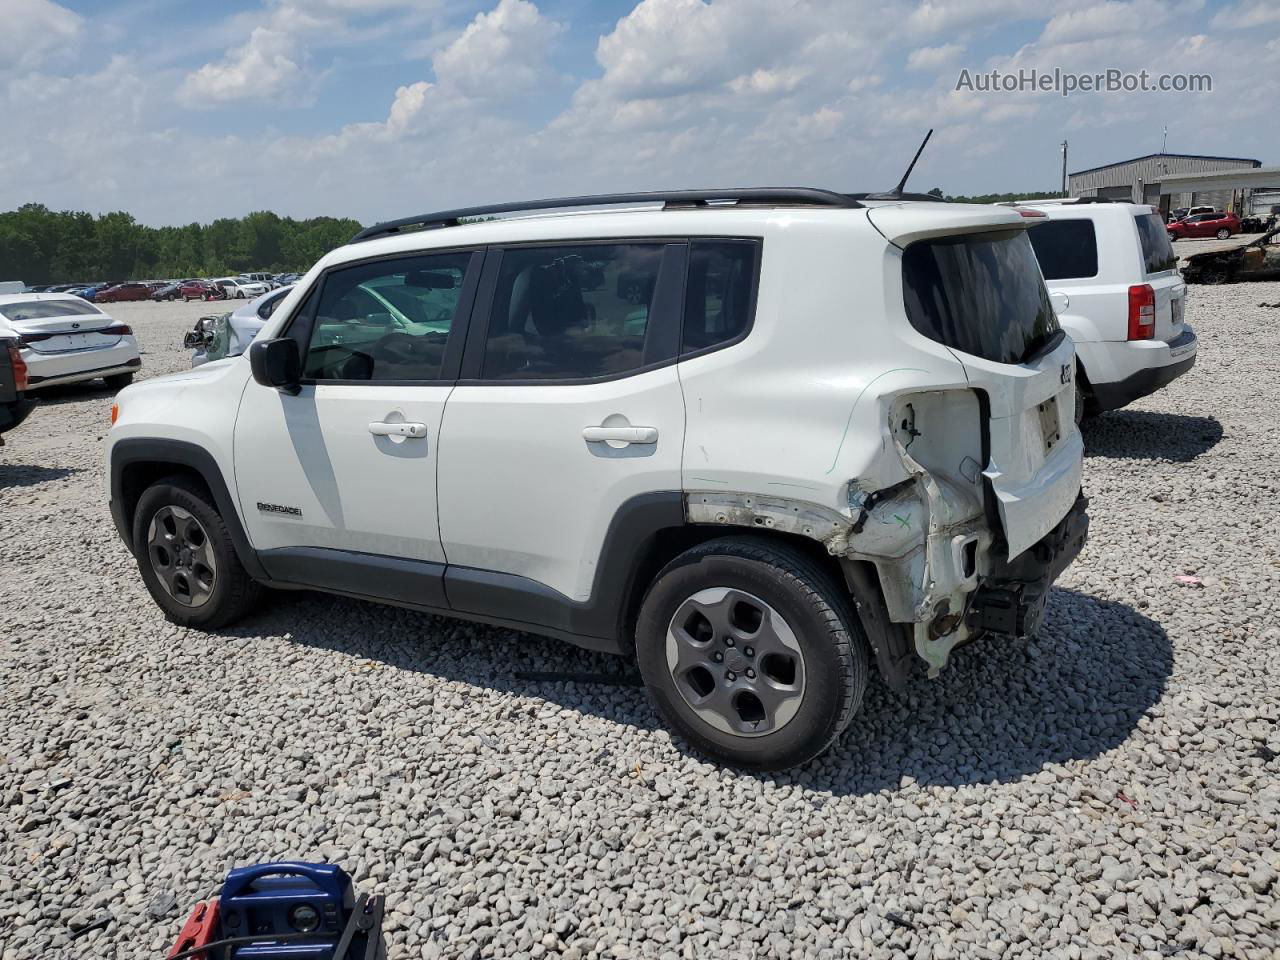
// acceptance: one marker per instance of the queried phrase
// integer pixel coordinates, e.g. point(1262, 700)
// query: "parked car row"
point(241, 287)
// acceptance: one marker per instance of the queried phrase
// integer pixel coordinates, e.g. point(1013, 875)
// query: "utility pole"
point(1064, 168)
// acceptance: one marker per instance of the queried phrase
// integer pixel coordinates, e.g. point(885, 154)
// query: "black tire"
point(118, 381)
point(818, 612)
point(1224, 234)
point(232, 593)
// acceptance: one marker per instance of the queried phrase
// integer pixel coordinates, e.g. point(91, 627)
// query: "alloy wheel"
point(181, 556)
point(736, 661)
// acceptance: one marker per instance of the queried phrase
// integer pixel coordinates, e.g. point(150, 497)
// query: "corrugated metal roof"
point(1179, 156)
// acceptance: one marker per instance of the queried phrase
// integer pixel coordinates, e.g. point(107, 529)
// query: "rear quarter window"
point(1066, 249)
point(1157, 251)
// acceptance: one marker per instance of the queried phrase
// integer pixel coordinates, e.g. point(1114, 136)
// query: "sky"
point(374, 109)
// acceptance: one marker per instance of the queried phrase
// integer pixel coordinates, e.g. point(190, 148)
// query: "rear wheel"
point(118, 381)
point(1224, 233)
point(752, 652)
point(186, 556)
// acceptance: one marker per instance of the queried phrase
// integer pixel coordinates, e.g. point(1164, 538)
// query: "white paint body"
point(802, 409)
point(1095, 310)
point(77, 352)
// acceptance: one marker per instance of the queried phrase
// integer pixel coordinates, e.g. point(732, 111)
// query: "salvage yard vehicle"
point(123, 292)
point(229, 334)
point(14, 403)
point(1215, 224)
point(754, 438)
point(1259, 260)
point(64, 339)
point(1113, 278)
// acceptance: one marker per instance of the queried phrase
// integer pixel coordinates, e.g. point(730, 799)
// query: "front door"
point(345, 471)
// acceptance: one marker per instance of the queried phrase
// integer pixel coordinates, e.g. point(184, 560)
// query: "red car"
point(1216, 224)
point(123, 291)
point(201, 290)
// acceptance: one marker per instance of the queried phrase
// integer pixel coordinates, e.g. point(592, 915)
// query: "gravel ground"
point(1108, 790)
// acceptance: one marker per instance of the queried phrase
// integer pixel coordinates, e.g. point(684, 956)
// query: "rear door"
point(569, 407)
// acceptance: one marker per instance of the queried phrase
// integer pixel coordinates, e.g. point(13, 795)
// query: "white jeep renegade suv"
point(754, 438)
point(1113, 279)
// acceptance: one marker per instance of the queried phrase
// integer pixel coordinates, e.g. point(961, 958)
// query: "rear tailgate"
point(972, 283)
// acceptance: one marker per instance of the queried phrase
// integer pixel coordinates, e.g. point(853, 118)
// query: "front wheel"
point(186, 557)
point(752, 652)
point(1224, 233)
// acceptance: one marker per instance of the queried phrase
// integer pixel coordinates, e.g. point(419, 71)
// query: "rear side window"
point(979, 293)
point(1066, 249)
point(719, 295)
point(1157, 251)
point(571, 312)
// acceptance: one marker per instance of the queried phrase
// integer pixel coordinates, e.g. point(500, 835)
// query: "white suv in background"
point(1113, 278)
point(755, 439)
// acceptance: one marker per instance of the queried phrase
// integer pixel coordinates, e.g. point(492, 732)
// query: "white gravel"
point(1110, 790)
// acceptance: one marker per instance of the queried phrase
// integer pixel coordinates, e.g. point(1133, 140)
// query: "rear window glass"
point(1066, 249)
point(980, 294)
point(1157, 251)
point(45, 309)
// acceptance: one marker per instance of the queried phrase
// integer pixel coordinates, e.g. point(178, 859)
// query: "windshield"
point(1157, 251)
point(45, 309)
point(979, 293)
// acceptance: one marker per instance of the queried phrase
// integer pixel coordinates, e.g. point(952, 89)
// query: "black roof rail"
point(1097, 200)
point(761, 196)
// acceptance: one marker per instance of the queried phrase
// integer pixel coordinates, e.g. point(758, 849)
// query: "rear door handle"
point(620, 434)
point(380, 428)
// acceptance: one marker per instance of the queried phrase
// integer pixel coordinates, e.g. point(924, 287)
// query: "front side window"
point(1066, 249)
point(718, 295)
point(387, 320)
point(571, 312)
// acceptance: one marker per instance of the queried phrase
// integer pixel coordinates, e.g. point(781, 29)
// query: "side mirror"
point(275, 363)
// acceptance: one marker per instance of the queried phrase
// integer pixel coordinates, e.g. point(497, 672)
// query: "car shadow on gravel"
point(73, 393)
point(1005, 709)
point(1145, 435)
point(14, 475)
point(1002, 709)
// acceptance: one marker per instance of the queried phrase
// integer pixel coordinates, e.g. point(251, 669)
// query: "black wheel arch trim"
point(183, 455)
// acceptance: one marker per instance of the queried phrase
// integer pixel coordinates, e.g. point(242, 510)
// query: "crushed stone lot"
point(1109, 790)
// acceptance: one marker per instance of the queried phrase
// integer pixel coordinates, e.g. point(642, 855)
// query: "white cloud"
point(931, 58)
point(263, 69)
point(935, 16)
point(30, 30)
point(501, 53)
point(1247, 14)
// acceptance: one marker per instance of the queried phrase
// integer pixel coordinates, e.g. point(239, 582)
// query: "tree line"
point(39, 245)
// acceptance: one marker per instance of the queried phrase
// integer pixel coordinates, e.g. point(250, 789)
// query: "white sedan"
point(240, 289)
point(64, 339)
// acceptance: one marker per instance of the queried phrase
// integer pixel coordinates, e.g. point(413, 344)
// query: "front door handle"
point(380, 428)
point(620, 434)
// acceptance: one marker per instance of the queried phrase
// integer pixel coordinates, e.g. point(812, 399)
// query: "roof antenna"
point(896, 192)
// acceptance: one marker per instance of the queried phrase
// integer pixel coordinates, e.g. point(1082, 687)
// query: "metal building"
point(1138, 180)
